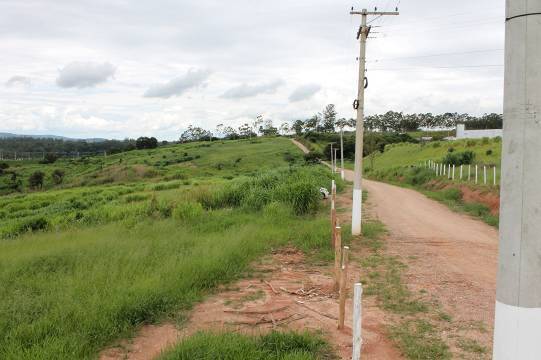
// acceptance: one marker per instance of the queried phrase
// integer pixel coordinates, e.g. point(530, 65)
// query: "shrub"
point(32, 224)
point(459, 158)
point(36, 179)
point(49, 158)
point(436, 144)
point(4, 166)
point(489, 152)
point(451, 149)
point(471, 143)
point(57, 176)
point(312, 157)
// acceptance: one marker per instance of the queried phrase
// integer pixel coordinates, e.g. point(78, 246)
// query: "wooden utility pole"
point(364, 30)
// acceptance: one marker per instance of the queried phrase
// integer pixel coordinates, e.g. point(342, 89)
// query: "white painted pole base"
point(356, 212)
point(357, 321)
point(342, 174)
point(516, 333)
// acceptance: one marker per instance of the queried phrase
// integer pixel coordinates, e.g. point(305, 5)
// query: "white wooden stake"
point(476, 177)
point(461, 166)
point(453, 171)
point(485, 174)
point(469, 172)
point(494, 175)
point(357, 321)
point(444, 168)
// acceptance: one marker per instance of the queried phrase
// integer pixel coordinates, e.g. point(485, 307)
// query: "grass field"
point(94, 262)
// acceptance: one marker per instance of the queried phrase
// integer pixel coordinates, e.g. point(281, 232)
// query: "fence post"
point(343, 288)
point(476, 177)
point(333, 223)
point(485, 174)
point(453, 172)
point(337, 258)
point(469, 172)
point(357, 321)
point(494, 175)
point(444, 168)
point(461, 166)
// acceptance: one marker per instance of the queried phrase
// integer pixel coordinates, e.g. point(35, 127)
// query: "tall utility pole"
point(518, 295)
point(364, 30)
point(342, 153)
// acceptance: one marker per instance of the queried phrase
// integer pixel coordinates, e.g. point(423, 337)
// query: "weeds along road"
point(451, 256)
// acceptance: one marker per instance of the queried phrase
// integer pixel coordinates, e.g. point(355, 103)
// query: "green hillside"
point(139, 237)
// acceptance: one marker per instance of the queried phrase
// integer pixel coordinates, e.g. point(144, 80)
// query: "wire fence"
point(473, 173)
point(40, 155)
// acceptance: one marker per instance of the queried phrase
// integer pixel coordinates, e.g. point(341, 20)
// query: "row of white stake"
point(341, 280)
point(449, 171)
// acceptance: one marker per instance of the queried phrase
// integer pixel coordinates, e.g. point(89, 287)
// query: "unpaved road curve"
point(451, 256)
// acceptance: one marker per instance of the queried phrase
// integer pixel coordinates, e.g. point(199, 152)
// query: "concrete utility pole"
point(342, 175)
point(364, 30)
point(518, 296)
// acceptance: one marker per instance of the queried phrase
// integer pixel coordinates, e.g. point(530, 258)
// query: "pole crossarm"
point(374, 13)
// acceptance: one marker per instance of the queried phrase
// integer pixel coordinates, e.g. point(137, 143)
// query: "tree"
point(230, 133)
point(329, 118)
point(36, 180)
point(257, 123)
point(312, 124)
point(195, 134)
point(284, 128)
point(146, 143)
point(297, 126)
point(268, 129)
point(57, 176)
point(245, 130)
point(341, 123)
point(219, 129)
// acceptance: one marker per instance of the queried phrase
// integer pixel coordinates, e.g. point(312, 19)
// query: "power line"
point(420, 68)
point(435, 55)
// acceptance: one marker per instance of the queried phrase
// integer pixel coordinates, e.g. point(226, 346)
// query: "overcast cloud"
point(245, 90)
point(84, 74)
point(18, 80)
point(179, 85)
point(112, 68)
point(304, 92)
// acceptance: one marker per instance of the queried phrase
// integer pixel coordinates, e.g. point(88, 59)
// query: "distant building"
point(462, 133)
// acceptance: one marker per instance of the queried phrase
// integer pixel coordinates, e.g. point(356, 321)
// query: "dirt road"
point(449, 255)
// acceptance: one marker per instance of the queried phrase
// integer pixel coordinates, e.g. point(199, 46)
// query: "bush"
point(471, 143)
point(49, 158)
point(436, 144)
point(57, 176)
point(36, 179)
point(4, 166)
point(313, 157)
point(459, 158)
point(489, 152)
point(31, 225)
point(451, 149)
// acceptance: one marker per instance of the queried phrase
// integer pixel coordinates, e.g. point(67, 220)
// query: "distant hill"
point(54, 137)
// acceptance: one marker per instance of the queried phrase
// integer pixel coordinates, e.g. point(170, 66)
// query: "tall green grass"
point(67, 294)
point(231, 346)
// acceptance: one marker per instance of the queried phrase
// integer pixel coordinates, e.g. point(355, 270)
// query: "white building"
point(462, 133)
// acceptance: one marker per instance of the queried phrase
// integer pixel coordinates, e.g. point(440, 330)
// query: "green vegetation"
point(273, 346)
point(83, 266)
point(417, 339)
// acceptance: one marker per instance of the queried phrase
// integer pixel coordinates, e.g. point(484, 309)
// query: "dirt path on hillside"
point(285, 291)
point(451, 256)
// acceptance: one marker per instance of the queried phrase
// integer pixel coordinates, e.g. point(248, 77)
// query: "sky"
point(129, 68)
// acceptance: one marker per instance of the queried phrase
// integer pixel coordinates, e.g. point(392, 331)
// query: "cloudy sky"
point(125, 68)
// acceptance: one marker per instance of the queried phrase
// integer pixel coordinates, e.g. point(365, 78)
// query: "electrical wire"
point(421, 68)
point(435, 55)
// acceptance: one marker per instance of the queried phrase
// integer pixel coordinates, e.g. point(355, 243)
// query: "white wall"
point(462, 133)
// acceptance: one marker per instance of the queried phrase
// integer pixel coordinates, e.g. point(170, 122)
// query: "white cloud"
point(304, 92)
point(84, 74)
point(18, 80)
point(179, 85)
point(245, 90)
